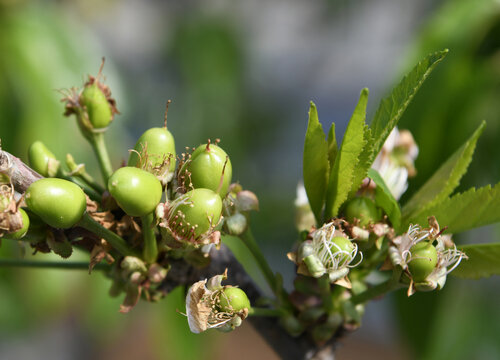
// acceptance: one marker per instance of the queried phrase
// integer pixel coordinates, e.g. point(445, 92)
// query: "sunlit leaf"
point(444, 180)
point(315, 163)
point(392, 107)
point(484, 261)
point(342, 173)
point(467, 210)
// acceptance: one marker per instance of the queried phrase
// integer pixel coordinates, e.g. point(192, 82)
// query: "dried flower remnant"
point(204, 310)
point(404, 251)
point(395, 162)
point(329, 252)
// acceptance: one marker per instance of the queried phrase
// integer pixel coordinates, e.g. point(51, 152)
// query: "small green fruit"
point(159, 143)
point(362, 208)
point(423, 261)
point(233, 299)
point(341, 243)
point(98, 108)
point(59, 203)
point(22, 231)
point(196, 213)
point(206, 166)
point(136, 191)
point(42, 160)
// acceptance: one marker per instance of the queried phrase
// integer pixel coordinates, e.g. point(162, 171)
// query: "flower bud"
point(236, 224)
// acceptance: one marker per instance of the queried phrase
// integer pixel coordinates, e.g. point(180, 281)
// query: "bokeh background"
point(244, 72)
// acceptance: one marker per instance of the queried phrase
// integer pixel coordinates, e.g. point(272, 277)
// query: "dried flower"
point(448, 256)
point(329, 252)
point(204, 310)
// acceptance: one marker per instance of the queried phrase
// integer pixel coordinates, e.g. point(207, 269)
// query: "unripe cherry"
point(195, 213)
point(22, 231)
point(362, 208)
point(233, 299)
point(59, 203)
point(42, 160)
point(136, 191)
point(160, 145)
point(341, 243)
point(207, 165)
point(98, 109)
point(423, 261)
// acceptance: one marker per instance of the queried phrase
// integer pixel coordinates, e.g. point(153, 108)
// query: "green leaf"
point(364, 163)
point(465, 211)
point(384, 198)
point(444, 180)
point(484, 261)
point(341, 175)
point(332, 145)
point(315, 163)
point(392, 107)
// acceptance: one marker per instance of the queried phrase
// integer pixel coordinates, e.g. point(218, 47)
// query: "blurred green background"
point(244, 72)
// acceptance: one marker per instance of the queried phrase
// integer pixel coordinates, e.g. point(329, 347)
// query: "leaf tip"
point(365, 91)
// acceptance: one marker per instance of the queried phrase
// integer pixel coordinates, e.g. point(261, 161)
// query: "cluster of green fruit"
point(193, 192)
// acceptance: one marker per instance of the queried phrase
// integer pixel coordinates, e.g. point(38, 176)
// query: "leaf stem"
point(114, 240)
point(250, 242)
point(380, 289)
point(101, 151)
point(70, 265)
point(150, 251)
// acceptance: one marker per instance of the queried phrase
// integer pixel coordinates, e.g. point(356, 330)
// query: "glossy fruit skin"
point(98, 108)
point(343, 244)
point(59, 203)
point(136, 191)
point(424, 260)
point(39, 156)
point(233, 299)
point(200, 205)
point(159, 143)
point(22, 231)
point(362, 208)
point(206, 167)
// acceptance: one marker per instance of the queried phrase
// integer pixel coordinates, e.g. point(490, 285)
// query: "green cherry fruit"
point(340, 243)
point(98, 108)
point(423, 261)
point(196, 213)
point(362, 208)
point(22, 231)
point(159, 143)
point(59, 203)
point(42, 160)
point(206, 166)
point(136, 191)
point(233, 299)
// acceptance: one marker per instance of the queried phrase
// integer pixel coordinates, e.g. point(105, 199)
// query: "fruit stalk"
point(150, 251)
point(69, 265)
point(114, 240)
point(101, 151)
point(380, 289)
